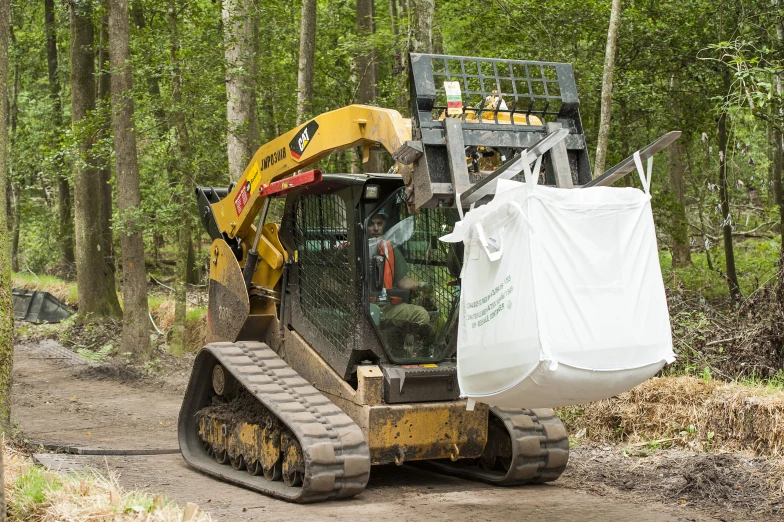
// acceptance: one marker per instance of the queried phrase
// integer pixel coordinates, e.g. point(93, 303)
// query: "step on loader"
point(332, 334)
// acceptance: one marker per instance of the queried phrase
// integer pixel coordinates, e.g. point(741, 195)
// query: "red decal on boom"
point(241, 200)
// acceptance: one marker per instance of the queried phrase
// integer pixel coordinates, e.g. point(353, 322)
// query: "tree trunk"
point(607, 79)
point(184, 199)
point(238, 38)
point(307, 51)
point(6, 305)
point(65, 232)
point(15, 233)
point(254, 126)
point(3, 508)
point(681, 249)
point(367, 71)
point(778, 166)
point(95, 280)
point(729, 253)
point(135, 332)
point(12, 192)
point(104, 165)
point(422, 30)
point(194, 273)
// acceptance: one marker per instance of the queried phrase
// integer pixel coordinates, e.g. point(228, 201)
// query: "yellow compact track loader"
point(333, 334)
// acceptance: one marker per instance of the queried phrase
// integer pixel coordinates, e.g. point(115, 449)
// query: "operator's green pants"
point(403, 315)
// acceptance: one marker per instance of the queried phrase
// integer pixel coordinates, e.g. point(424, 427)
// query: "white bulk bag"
point(562, 300)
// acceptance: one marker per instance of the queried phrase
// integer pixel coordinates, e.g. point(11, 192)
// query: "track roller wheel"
point(238, 462)
point(254, 468)
point(221, 456)
point(292, 478)
point(273, 473)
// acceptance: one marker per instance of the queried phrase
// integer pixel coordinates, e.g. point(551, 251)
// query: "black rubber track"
point(336, 456)
point(540, 450)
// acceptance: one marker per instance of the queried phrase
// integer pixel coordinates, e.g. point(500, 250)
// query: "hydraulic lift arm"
point(327, 133)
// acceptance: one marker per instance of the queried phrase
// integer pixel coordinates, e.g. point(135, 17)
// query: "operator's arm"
point(406, 283)
point(403, 281)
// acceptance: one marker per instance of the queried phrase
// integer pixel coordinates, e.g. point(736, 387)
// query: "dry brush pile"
point(687, 410)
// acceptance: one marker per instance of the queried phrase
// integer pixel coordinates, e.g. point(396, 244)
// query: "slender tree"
point(12, 191)
point(67, 261)
point(607, 86)
point(778, 154)
point(95, 279)
point(104, 165)
point(724, 201)
point(6, 304)
point(307, 51)
point(135, 332)
point(422, 30)
point(681, 250)
point(367, 69)
point(185, 184)
point(238, 39)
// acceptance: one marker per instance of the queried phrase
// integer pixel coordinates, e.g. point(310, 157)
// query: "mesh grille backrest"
point(325, 274)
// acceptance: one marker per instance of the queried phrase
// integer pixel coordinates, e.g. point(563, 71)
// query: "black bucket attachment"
point(35, 306)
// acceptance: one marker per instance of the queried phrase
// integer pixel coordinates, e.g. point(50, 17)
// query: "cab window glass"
point(413, 280)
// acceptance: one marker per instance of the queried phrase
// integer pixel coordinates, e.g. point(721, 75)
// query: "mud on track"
point(56, 401)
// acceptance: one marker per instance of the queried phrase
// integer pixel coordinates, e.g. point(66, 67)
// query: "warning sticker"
point(454, 98)
point(251, 183)
point(240, 201)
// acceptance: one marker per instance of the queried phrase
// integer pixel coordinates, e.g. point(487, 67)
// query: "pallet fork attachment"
point(627, 165)
point(523, 111)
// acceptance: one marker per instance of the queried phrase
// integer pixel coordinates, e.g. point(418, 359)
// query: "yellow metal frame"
point(340, 129)
point(337, 130)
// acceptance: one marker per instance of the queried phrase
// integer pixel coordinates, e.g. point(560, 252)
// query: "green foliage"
point(758, 260)
point(31, 489)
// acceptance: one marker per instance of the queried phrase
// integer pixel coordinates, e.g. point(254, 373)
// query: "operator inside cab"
point(405, 326)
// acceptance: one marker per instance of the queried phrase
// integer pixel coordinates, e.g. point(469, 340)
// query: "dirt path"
point(59, 399)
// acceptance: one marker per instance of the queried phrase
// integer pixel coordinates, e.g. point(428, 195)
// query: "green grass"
point(770, 385)
point(155, 302)
point(32, 488)
point(756, 262)
point(45, 282)
point(195, 314)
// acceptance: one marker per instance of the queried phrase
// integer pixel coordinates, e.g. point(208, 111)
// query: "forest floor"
point(62, 400)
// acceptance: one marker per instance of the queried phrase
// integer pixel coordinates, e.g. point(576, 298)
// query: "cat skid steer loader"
point(333, 334)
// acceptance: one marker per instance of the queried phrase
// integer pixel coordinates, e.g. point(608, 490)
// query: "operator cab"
point(358, 292)
point(413, 289)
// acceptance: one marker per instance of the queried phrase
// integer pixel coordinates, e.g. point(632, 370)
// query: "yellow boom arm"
point(330, 132)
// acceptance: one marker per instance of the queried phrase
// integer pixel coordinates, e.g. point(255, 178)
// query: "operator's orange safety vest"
point(386, 250)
